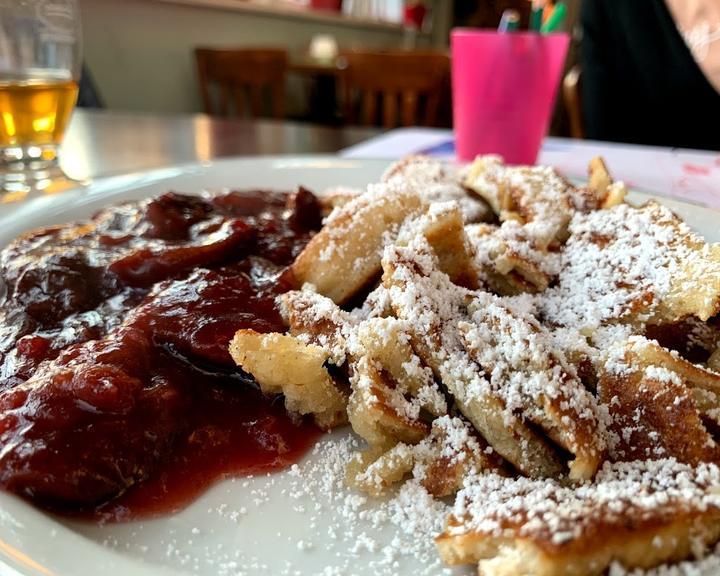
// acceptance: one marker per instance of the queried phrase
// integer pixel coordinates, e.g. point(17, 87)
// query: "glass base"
point(32, 170)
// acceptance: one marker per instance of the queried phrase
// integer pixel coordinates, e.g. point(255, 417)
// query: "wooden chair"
point(408, 85)
point(239, 75)
point(573, 103)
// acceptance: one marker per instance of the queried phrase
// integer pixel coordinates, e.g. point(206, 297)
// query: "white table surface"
point(689, 175)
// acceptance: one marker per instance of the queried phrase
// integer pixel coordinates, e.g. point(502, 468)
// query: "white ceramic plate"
point(288, 523)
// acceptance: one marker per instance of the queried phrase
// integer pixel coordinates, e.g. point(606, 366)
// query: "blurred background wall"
point(140, 52)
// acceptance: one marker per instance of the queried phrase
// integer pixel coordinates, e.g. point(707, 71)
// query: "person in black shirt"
point(640, 82)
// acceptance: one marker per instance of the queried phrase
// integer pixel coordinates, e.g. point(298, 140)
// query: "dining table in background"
point(105, 143)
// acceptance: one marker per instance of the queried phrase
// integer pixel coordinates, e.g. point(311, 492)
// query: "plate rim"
point(17, 511)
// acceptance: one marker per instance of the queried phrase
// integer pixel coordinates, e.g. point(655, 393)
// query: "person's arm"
point(599, 86)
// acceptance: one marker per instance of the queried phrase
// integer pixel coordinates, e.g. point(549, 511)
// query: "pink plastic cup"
point(504, 88)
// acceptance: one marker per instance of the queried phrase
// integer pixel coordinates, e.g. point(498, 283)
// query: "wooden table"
point(100, 143)
point(312, 67)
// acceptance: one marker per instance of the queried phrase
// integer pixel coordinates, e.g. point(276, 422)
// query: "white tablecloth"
point(690, 175)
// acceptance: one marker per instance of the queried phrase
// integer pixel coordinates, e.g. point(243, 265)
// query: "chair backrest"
point(573, 103)
point(239, 75)
point(408, 86)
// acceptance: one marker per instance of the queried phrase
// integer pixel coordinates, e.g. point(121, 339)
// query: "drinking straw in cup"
point(510, 21)
point(556, 19)
point(504, 88)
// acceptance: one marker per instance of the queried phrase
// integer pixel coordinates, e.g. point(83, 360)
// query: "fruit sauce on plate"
point(118, 397)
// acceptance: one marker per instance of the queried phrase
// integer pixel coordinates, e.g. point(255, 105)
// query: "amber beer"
point(35, 112)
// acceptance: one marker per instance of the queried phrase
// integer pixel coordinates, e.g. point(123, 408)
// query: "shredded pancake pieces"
point(636, 513)
point(498, 365)
point(633, 265)
point(543, 353)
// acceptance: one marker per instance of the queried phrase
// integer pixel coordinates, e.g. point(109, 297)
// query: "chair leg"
point(369, 105)
point(389, 109)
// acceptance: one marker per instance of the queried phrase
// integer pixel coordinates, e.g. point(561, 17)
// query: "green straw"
point(556, 19)
point(536, 19)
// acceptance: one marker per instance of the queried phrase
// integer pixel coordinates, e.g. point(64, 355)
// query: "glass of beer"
point(40, 62)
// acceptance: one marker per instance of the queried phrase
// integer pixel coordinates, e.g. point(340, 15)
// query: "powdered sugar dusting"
point(430, 352)
point(436, 182)
point(483, 349)
point(546, 511)
point(537, 196)
point(315, 524)
point(616, 263)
